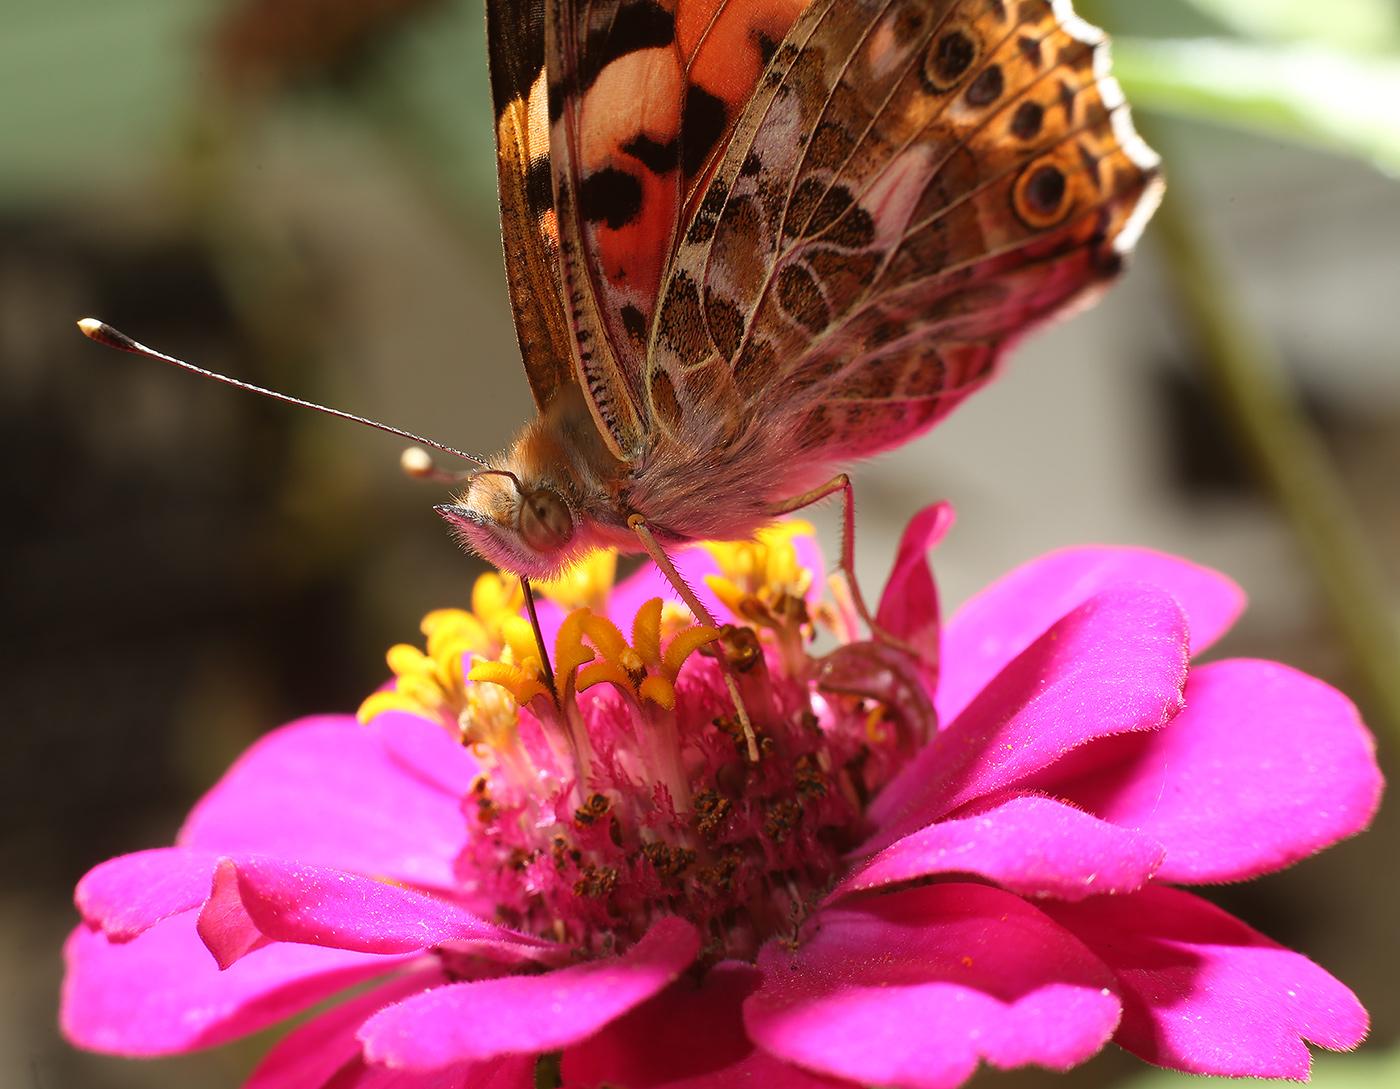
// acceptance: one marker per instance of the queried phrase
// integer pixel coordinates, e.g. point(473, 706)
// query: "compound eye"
point(545, 521)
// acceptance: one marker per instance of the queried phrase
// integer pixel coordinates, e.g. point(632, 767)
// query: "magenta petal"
point(1028, 845)
point(126, 895)
point(525, 1014)
point(912, 989)
point(326, 791)
point(688, 1035)
point(320, 906)
point(1264, 766)
point(682, 1032)
point(909, 606)
point(507, 1072)
point(307, 1057)
point(224, 925)
point(1116, 664)
point(1004, 619)
point(162, 993)
point(1203, 992)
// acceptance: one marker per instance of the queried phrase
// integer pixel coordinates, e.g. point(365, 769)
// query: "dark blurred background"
point(301, 193)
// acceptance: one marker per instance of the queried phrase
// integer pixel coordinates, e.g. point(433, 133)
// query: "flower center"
point(632, 796)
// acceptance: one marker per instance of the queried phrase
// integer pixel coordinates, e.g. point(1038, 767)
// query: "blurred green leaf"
point(1308, 93)
point(90, 90)
point(1360, 25)
point(432, 91)
point(1365, 1070)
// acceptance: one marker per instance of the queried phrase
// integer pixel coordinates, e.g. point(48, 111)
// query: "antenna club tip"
point(91, 327)
point(416, 462)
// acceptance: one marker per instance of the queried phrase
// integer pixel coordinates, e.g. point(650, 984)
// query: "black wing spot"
point(987, 87)
point(752, 166)
point(1039, 196)
point(1026, 122)
point(635, 322)
point(766, 46)
point(702, 124)
point(1045, 190)
point(658, 158)
point(948, 58)
point(1030, 49)
point(539, 186)
point(610, 196)
point(639, 24)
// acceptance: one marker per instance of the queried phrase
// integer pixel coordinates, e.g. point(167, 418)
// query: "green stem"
point(1248, 377)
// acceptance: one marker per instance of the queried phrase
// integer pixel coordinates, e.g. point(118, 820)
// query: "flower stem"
point(1251, 383)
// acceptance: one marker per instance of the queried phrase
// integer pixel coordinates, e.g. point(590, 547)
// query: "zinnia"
point(965, 849)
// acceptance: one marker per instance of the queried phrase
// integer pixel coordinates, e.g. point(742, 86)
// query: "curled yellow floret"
point(431, 682)
point(758, 575)
point(642, 669)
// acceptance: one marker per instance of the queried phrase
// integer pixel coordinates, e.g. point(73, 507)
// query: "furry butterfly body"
point(751, 243)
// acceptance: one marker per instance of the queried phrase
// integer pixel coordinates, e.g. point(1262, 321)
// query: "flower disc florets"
point(630, 796)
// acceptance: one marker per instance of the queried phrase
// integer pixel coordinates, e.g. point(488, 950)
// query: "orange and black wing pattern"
point(913, 185)
point(515, 38)
point(643, 98)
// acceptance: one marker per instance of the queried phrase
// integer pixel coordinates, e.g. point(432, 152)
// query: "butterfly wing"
point(914, 185)
point(516, 37)
point(644, 96)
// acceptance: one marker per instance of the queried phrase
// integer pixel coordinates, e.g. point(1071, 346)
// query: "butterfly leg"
point(842, 483)
point(638, 524)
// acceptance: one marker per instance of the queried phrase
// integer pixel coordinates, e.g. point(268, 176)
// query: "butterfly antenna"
point(103, 333)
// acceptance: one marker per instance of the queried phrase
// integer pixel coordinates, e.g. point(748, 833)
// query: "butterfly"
point(749, 242)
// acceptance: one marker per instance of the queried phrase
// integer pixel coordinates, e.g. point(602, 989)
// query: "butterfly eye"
point(545, 521)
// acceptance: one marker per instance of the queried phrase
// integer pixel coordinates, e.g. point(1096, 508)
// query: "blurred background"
point(301, 193)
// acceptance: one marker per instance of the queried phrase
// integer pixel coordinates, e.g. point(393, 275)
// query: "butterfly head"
point(515, 526)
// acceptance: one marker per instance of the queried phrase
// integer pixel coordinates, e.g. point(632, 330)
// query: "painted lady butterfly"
point(750, 241)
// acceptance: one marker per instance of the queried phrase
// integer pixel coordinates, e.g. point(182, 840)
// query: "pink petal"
point(909, 606)
point(688, 1035)
point(1116, 664)
point(1205, 993)
point(507, 1072)
point(1264, 766)
point(320, 906)
point(326, 791)
point(912, 989)
point(423, 749)
point(1028, 845)
point(469, 1022)
point(307, 1057)
point(124, 896)
point(162, 993)
point(1000, 622)
point(224, 925)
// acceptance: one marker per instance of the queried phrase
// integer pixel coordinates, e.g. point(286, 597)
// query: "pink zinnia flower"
point(888, 896)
